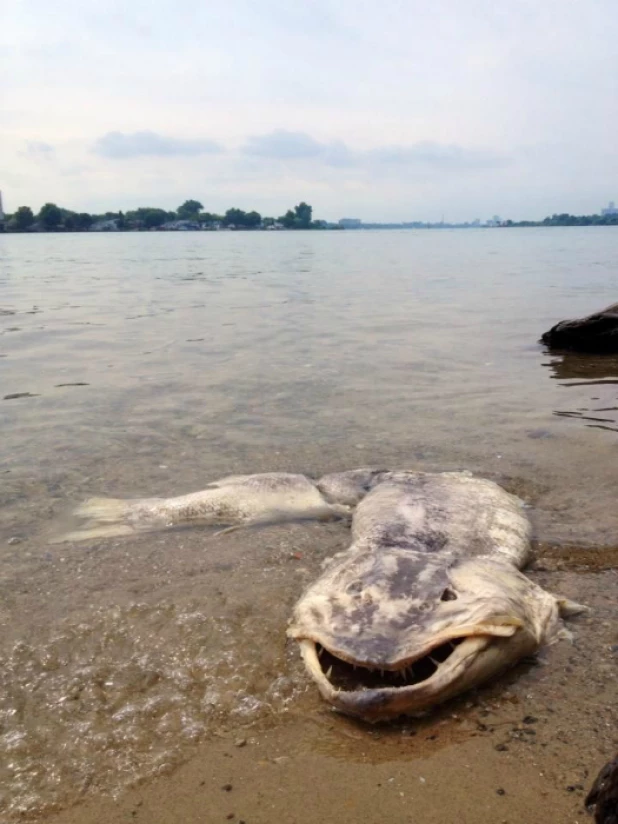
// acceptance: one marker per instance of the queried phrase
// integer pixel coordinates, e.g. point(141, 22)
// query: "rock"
point(14, 541)
point(603, 797)
point(595, 333)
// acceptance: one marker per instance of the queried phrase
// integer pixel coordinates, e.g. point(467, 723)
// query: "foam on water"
point(122, 696)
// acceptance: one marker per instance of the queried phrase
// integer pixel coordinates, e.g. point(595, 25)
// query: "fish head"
point(391, 633)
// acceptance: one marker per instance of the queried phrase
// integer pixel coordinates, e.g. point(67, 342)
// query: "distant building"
point(180, 226)
point(105, 226)
point(350, 223)
point(611, 209)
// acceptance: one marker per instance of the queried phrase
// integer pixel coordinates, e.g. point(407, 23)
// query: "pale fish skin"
point(433, 571)
point(270, 497)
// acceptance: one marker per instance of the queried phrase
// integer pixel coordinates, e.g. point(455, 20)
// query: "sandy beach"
point(525, 748)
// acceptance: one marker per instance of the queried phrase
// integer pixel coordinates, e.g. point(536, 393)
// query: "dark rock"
point(595, 333)
point(603, 797)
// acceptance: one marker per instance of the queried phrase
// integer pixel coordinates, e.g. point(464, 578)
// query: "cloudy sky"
point(391, 110)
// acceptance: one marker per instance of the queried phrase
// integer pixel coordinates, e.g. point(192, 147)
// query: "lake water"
point(154, 363)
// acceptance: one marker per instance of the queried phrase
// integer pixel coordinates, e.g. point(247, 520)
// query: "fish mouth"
point(344, 675)
point(377, 692)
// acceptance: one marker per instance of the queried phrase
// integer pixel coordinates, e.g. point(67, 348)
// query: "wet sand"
point(131, 670)
point(199, 693)
point(525, 748)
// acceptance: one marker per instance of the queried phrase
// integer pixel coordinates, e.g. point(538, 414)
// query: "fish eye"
point(448, 595)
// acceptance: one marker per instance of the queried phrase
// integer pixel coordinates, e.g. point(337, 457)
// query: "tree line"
point(53, 218)
point(566, 219)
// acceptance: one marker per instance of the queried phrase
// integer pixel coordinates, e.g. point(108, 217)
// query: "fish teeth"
point(329, 672)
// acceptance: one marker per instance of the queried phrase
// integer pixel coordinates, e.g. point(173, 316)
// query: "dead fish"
point(271, 497)
point(428, 601)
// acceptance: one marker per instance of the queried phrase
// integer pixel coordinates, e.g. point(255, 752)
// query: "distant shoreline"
point(190, 217)
point(369, 228)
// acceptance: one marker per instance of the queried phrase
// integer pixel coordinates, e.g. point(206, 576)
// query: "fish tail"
point(88, 534)
point(103, 518)
point(103, 510)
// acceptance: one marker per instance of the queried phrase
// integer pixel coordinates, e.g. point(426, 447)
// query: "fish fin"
point(563, 634)
point(112, 531)
point(229, 529)
point(568, 608)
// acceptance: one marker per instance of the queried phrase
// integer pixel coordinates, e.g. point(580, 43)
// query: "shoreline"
point(523, 748)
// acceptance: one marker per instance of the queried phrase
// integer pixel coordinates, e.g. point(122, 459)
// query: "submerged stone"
point(594, 333)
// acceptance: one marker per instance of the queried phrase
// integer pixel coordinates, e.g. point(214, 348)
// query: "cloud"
point(285, 145)
point(118, 145)
point(40, 150)
point(437, 156)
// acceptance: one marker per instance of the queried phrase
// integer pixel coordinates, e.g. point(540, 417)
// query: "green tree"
point(288, 219)
point(234, 217)
point(189, 210)
point(149, 217)
point(244, 220)
point(209, 217)
point(299, 218)
point(50, 216)
point(253, 220)
point(83, 221)
point(303, 215)
point(23, 219)
point(69, 220)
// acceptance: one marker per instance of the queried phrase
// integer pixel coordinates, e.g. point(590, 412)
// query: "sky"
point(385, 111)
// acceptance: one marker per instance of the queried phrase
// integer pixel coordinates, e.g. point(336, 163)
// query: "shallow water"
point(156, 362)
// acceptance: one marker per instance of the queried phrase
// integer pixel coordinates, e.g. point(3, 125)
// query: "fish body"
point(427, 601)
point(269, 497)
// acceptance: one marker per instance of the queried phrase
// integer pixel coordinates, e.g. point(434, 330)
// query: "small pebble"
point(14, 540)
point(500, 791)
point(530, 719)
point(227, 788)
point(240, 742)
